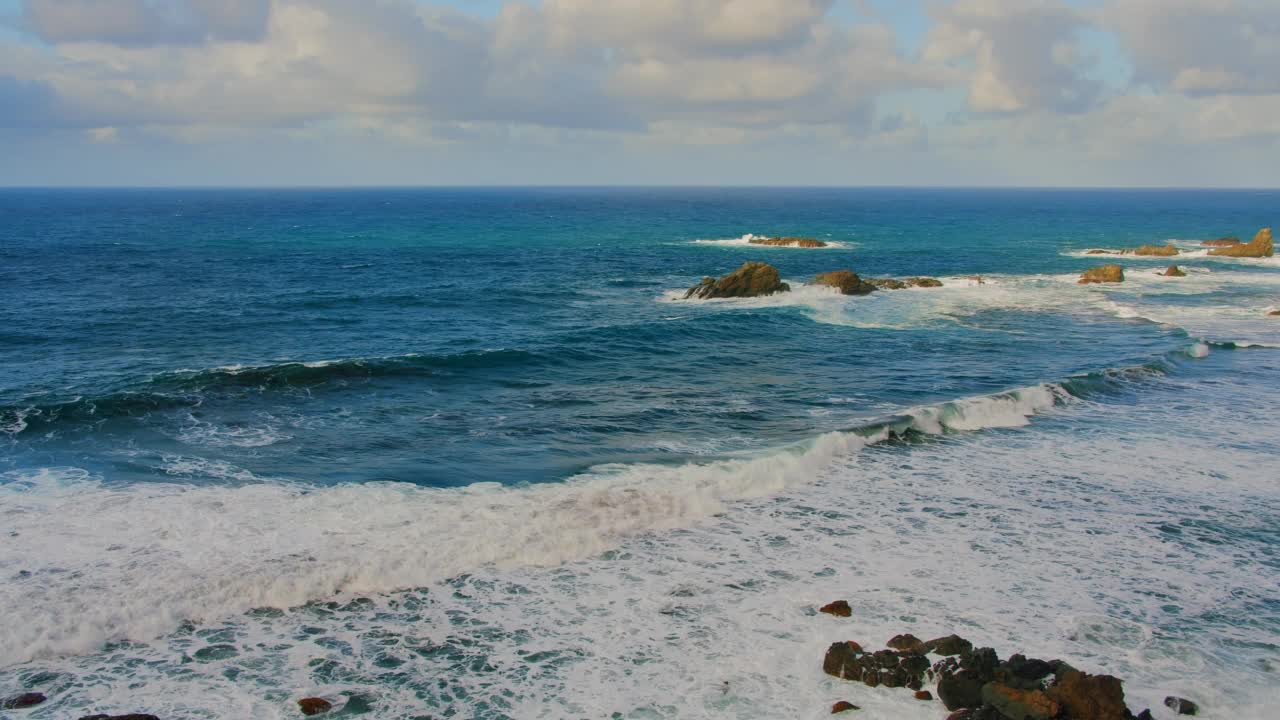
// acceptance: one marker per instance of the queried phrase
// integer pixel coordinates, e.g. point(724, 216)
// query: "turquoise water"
point(484, 423)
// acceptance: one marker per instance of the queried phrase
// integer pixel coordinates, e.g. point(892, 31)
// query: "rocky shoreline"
point(755, 279)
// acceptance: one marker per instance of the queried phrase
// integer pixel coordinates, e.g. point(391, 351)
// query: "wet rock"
point(751, 280)
point(839, 608)
point(1174, 271)
point(1144, 715)
point(960, 679)
point(846, 281)
point(1182, 706)
point(788, 242)
point(887, 283)
point(924, 695)
point(1100, 252)
point(1102, 274)
point(1024, 674)
point(1096, 697)
point(923, 282)
point(843, 706)
point(1274, 313)
point(949, 645)
point(1019, 704)
point(1260, 246)
point(23, 701)
point(906, 643)
point(844, 660)
point(314, 706)
point(1154, 250)
point(134, 716)
point(1222, 242)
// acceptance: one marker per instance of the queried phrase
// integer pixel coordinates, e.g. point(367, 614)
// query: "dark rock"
point(962, 689)
point(1102, 274)
point(751, 280)
point(1181, 706)
point(1095, 697)
point(1274, 313)
point(788, 242)
point(23, 701)
point(906, 644)
point(1222, 242)
point(844, 660)
point(846, 281)
point(1144, 715)
point(1019, 704)
point(1174, 271)
point(1260, 246)
point(924, 695)
point(1023, 674)
point(314, 706)
point(839, 608)
point(843, 706)
point(949, 645)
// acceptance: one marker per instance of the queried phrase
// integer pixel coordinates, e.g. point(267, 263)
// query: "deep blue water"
point(156, 343)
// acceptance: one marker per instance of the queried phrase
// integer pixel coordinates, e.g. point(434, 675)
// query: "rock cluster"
point(751, 280)
point(788, 242)
point(1102, 274)
point(892, 284)
point(1260, 246)
point(846, 281)
point(975, 684)
point(1222, 242)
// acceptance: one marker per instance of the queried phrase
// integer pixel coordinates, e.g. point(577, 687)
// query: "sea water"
point(469, 452)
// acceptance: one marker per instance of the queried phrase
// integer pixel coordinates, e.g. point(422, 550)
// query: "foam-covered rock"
point(839, 608)
point(1174, 271)
point(846, 281)
point(1222, 242)
point(751, 280)
point(1260, 246)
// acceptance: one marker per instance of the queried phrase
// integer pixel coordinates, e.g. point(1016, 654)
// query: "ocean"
point(468, 453)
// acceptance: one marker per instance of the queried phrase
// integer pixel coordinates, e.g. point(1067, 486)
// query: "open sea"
point(467, 453)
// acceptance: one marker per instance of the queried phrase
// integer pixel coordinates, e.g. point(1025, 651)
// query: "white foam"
point(1184, 254)
point(745, 241)
point(182, 551)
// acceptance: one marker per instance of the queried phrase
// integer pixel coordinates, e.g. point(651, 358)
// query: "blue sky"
point(771, 92)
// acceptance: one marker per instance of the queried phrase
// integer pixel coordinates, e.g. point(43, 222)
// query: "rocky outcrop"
point(1260, 246)
point(788, 242)
point(1102, 274)
point(892, 284)
point(846, 281)
point(839, 608)
point(1174, 271)
point(1222, 242)
point(887, 283)
point(23, 701)
point(1154, 251)
point(1096, 697)
point(751, 280)
point(314, 706)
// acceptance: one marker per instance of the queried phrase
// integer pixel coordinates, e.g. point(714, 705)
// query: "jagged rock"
point(846, 281)
point(1102, 274)
point(1222, 242)
point(924, 695)
point(839, 608)
point(887, 283)
point(1174, 271)
point(751, 280)
point(314, 706)
point(949, 645)
point(1092, 697)
point(1154, 250)
point(843, 706)
point(1018, 704)
point(906, 644)
point(788, 242)
point(23, 701)
point(1181, 706)
point(924, 282)
point(1260, 246)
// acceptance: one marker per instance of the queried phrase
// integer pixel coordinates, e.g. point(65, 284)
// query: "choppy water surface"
point(469, 454)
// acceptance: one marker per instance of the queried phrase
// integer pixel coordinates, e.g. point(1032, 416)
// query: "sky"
point(1103, 93)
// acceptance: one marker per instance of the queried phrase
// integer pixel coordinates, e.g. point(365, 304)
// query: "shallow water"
point(537, 483)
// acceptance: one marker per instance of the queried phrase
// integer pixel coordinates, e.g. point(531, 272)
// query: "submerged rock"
point(1181, 706)
point(1102, 274)
point(1222, 242)
point(133, 716)
point(843, 706)
point(751, 280)
point(1259, 246)
point(839, 608)
point(887, 283)
point(1174, 271)
point(924, 282)
point(920, 282)
point(846, 281)
point(1154, 250)
point(314, 706)
point(788, 242)
point(1099, 251)
point(23, 701)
